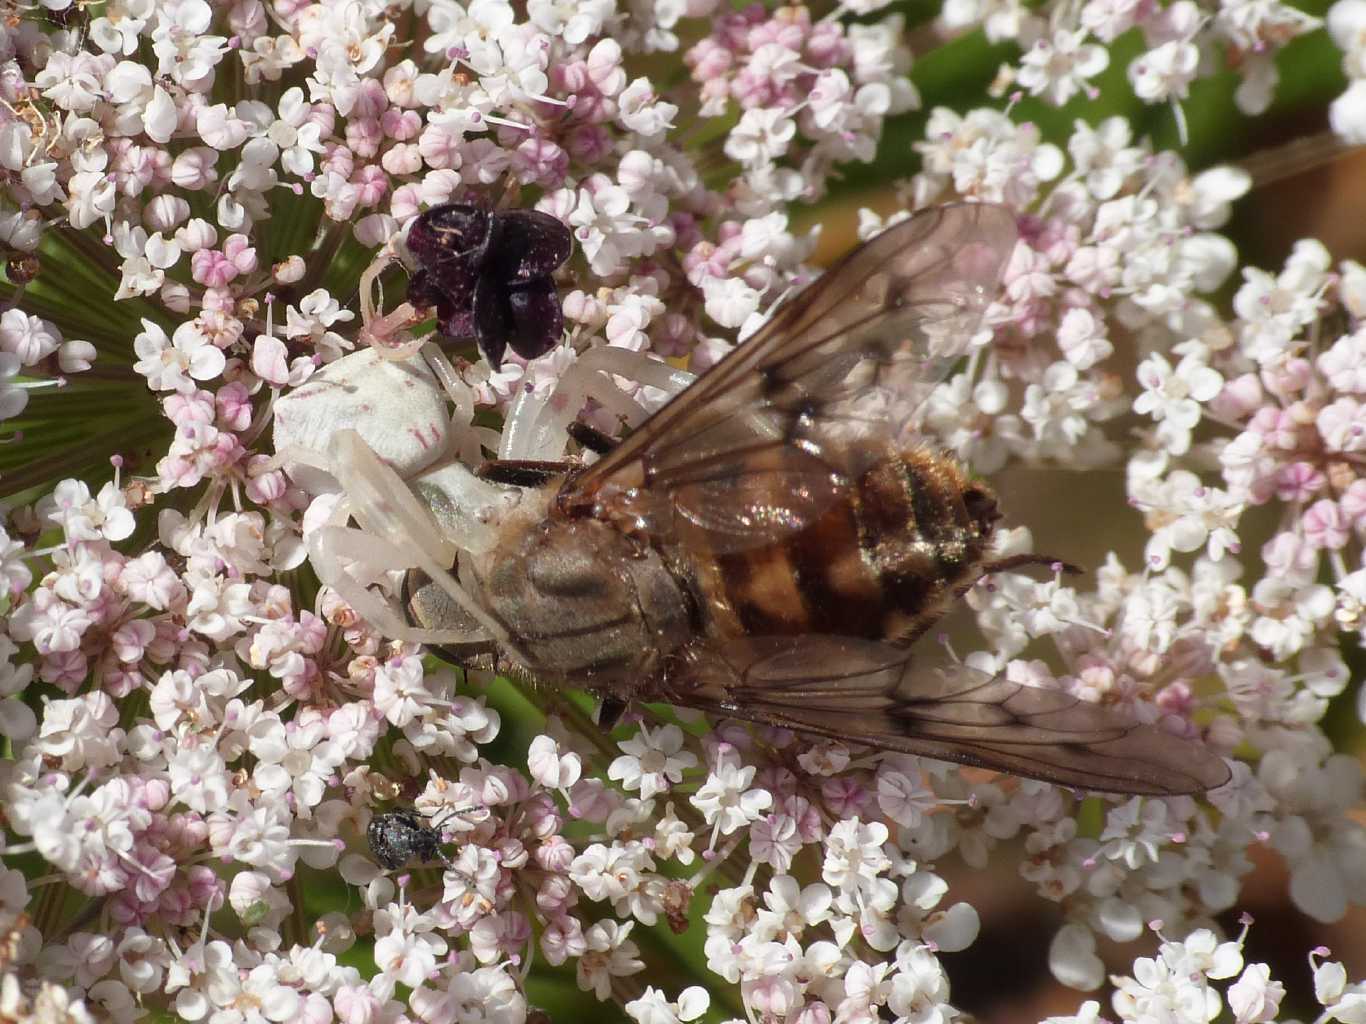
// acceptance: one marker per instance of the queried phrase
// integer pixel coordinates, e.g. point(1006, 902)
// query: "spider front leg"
point(390, 511)
point(539, 429)
point(353, 562)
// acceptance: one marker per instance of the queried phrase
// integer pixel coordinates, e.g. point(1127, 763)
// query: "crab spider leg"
point(465, 438)
point(297, 455)
point(383, 504)
point(592, 376)
point(338, 551)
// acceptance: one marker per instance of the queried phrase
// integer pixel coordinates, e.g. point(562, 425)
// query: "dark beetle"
point(487, 273)
point(397, 837)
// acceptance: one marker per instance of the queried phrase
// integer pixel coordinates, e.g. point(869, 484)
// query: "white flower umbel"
point(216, 699)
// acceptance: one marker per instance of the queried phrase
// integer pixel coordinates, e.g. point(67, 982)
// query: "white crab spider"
point(385, 437)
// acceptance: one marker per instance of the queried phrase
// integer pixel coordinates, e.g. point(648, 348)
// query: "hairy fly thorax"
point(580, 600)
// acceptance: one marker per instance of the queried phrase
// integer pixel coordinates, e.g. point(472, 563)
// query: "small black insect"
point(487, 273)
point(397, 837)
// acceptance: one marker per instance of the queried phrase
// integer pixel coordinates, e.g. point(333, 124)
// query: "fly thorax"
point(582, 603)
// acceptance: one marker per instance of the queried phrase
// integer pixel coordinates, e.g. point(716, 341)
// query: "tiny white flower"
point(725, 799)
point(652, 762)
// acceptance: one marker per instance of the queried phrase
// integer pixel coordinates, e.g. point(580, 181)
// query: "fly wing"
point(760, 445)
point(861, 691)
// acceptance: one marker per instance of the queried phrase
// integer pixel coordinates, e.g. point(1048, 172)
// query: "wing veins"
point(911, 269)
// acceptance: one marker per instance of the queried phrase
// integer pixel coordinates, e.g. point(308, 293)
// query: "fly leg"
point(592, 438)
point(522, 472)
point(1019, 562)
point(539, 472)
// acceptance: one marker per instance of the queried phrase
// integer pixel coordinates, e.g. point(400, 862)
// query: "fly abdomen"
point(888, 550)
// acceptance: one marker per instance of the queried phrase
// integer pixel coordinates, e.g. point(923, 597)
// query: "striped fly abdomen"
point(883, 558)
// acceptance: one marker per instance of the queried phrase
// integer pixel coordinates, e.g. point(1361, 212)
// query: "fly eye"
point(981, 506)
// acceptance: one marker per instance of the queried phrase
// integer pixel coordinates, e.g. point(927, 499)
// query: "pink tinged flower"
point(610, 954)
point(1240, 398)
point(1344, 365)
point(52, 625)
point(1353, 503)
point(149, 580)
point(217, 269)
point(66, 670)
point(499, 935)
point(221, 128)
point(171, 364)
point(1028, 275)
point(151, 877)
point(1255, 997)
point(30, 338)
point(854, 857)
point(15, 576)
point(1082, 339)
point(1174, 394)
point(1298, 482)
point(901, 792)
point(563, 938)
point(1325, 526)
point(129, 642)
point(400, 691)
point(774, 840)
point(1289, 558)
point(762, 136)
point(1058, 68)
point(1343, 425)
point(725, 799)
point(641, 111)
point(1165, 72)
point(549, 767)
point(654, 1008)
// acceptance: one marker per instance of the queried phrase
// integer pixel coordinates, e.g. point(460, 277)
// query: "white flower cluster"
point(199, 732)
point(1065, 45)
